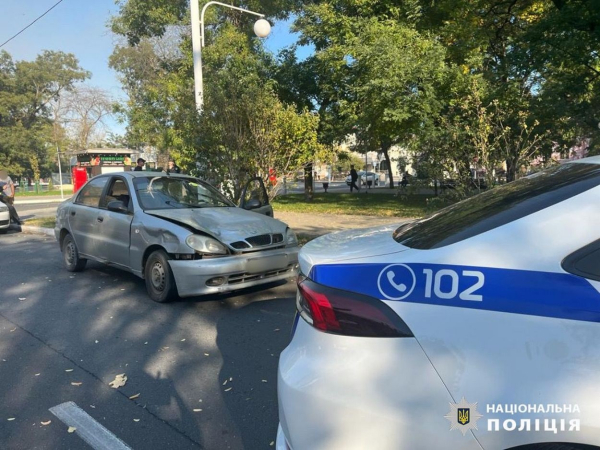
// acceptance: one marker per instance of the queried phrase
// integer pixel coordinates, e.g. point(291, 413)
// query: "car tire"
point(71, 259)
point(158, 275)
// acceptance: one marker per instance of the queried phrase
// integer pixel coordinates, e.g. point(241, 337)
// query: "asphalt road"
point(204, 368)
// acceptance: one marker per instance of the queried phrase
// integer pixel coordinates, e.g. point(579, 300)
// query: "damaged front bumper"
point(229, 273)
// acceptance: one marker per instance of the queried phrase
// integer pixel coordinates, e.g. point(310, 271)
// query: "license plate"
point(267, 263)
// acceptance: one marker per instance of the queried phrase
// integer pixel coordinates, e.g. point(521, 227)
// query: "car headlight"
point(291, 238)
point(205, 244)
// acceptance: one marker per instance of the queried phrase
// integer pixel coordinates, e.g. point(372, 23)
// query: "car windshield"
point(166, 192)
point(499, 206)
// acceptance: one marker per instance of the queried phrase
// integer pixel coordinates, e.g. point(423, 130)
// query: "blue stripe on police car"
point(547, 294)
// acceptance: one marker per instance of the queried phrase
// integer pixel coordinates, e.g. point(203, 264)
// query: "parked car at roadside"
point(364, 178)
point(178, 233)
point(4, 218)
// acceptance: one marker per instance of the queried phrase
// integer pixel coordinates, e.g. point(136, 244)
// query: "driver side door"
point(255, 198)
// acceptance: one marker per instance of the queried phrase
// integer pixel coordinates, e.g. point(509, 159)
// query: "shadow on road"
point(176, 356)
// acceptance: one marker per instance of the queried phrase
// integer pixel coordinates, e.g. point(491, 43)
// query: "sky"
point(80, 27)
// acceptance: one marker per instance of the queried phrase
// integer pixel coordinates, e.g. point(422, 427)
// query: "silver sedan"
point(178, 233)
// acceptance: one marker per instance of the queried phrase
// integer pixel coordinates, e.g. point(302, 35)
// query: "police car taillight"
point(347, 313)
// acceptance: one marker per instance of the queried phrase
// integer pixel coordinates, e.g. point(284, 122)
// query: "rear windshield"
point(499, 206)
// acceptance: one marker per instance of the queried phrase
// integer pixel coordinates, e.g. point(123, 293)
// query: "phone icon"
point(399, 287)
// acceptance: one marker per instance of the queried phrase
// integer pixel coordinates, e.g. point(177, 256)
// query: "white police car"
point(477, 327)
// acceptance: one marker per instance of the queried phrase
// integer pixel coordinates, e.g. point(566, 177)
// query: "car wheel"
point(160, 283)
point(73, 262)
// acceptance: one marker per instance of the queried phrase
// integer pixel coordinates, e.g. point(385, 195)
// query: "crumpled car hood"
point(226, 224)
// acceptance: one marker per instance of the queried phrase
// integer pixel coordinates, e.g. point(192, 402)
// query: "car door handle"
point(100, 219)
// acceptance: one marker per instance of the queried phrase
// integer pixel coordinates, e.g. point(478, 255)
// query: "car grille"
point(4, 222)
point(246, 277)
point(262, 240)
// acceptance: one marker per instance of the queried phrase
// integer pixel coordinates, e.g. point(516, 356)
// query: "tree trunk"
point(308, 182)
point(511, 170)
point(385, 150)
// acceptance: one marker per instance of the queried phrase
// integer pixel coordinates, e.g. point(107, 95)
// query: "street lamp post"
point(262, 28)
point(62, 194)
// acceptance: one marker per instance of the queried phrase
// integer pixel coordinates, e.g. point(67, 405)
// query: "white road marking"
point(98, 437)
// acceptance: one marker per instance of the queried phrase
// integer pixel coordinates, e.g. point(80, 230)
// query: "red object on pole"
point(272, 176)
point(80, 177)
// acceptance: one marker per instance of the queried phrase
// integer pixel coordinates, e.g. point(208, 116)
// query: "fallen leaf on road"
point(197, 410)
point(10, 419)
point(230, 378)
point(145, 343)
point(37, 374)
point(22, 298)
point(228, 389)
point(264, 381)
point(92, 406)
point(136, 420)
point(276, 329)
point(68, 370)
point(206, 354)
point(46, 423)
point(183, 340)
point(224, 382)
point(71, 430)
point(73, 383)
point(96, 341)
point(14, 329)
point(133, 397)
point(272, 443)
point(119, 381)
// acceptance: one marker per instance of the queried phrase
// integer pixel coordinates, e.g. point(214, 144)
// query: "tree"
point(87, 108)
point(27, 90)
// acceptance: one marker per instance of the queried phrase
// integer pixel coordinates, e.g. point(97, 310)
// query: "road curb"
point(39, 201)
point(37, 230)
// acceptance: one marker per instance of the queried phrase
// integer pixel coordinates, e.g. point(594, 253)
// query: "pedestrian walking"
point(140, 165)
point(353, 179)
point(7, 196)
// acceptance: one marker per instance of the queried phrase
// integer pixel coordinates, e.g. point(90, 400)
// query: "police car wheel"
point(160, 283)
point(73, 262)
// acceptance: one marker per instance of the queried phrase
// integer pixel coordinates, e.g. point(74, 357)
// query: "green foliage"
point(463, 84)
point(27, 89)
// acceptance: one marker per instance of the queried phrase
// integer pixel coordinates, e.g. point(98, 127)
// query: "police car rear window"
point(498, 206)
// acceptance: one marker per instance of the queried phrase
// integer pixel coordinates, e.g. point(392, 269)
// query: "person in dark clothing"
point(140, 165)
point(173, 168)
point(353, 179)
point(404, 182)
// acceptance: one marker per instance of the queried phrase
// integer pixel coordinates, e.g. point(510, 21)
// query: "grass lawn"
point(357, 204)
point(67, 192)
point(44, 222)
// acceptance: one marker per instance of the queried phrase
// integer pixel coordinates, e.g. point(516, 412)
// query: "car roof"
point(588, 160)
point(146, 173)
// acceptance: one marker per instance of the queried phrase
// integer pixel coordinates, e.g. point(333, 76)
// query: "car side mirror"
point(117, 206)
point(252, 204)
